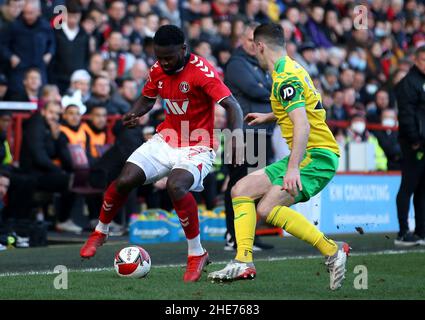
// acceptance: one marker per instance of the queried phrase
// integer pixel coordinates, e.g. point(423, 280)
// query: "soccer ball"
point(132, 262)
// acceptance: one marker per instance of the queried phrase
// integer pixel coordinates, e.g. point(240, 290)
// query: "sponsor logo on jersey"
point(176, 107)
point(287, 92)
point(184, 87)
point(160, 84)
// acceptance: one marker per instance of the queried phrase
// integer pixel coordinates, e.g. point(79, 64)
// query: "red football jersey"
point(189, 97)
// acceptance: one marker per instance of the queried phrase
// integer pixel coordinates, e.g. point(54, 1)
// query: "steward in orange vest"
point(73, 130)
point(95, 128)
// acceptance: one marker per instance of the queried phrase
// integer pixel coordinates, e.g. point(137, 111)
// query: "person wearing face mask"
point(357, 132)
point(388, 139)
point(410, 94)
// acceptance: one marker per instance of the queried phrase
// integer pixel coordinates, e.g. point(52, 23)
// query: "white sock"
point(195, 247)
point(102, 227)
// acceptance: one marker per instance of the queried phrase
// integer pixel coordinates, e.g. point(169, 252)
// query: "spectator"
point(50, 93)
point(357, 132)
point(5, 154)
point(329, 80)
point(111, 68)
point(4, 187)
point(27, 43)
point(80, 81)
point(115, 53)
point(316, 27)
point(72, 129)
point(251, 87)
point(347, 78)
point(152, 24)
point(169, 9)
point(72, 47)
point(101, 94)
point(337, 110)
point(17, 207)
point(116, 14)
point(9, 11)
point(44, 156)
point(32, 85)
point(382, 102)
point(95, 128)
point(128, 90)
point(3, 87)
point(139, 73)
point(95, 65)
point(308, 58)
point(388, 139)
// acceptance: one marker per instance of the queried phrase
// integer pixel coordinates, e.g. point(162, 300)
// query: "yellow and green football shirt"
point(293, 88)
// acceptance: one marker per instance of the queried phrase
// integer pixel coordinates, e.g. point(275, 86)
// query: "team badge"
point(287, 92)
point(184, 87)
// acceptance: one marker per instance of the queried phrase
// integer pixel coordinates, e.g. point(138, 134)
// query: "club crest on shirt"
point(184, 87)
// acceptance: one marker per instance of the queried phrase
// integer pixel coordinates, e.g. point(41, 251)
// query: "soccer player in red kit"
point(182, 148)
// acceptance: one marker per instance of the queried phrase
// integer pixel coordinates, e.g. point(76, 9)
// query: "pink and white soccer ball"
point(132, 262)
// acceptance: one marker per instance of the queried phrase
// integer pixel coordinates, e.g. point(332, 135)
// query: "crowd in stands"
point(94, 58)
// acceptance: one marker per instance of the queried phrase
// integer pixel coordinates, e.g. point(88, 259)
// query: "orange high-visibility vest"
point(75, 137)
point(96, 140)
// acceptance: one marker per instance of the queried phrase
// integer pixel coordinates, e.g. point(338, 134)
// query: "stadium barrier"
point(157, 226)
point(356, 202)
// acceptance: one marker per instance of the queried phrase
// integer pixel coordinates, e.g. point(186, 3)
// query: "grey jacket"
point(250, 85)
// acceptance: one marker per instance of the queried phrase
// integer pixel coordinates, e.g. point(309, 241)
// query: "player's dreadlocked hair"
point(168, 35)
point(271, 33)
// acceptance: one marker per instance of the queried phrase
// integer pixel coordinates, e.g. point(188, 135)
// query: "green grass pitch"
point(290, 271)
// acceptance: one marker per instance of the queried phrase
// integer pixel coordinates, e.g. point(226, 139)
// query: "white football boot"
point(336, 265)
point(235, 270)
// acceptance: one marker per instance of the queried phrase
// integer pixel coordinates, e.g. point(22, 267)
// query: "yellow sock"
point(297, 225)
point(245, 222)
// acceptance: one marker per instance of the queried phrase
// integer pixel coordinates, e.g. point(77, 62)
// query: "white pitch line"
point(360, 254)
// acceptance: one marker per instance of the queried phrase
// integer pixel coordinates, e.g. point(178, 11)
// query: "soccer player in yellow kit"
point(312, 163)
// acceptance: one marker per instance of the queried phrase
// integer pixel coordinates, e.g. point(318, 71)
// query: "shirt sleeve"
point(208, 80)
point(289, 91)
point(150, 90)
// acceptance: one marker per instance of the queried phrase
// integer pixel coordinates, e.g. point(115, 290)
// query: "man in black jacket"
point(45, 156)
point(251, 86)
point(72, 47)
point(410, 93)
point(28, 42)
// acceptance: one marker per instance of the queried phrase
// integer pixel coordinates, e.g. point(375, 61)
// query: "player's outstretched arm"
point(142, 106)
point(301, 131)
point(235, 123)
point(256, 118)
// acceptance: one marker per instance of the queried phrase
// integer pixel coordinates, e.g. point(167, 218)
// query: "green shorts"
point(317, 169)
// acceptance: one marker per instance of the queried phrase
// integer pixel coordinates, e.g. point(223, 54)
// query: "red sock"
point(187, 210)
point(112, 203)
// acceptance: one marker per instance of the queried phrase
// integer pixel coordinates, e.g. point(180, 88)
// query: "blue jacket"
point(29, 43)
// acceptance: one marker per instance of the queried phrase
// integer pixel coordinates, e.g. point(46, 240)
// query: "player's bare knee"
point(123, 184)
point(263, 211)
point(176, 189)
point(238, 190)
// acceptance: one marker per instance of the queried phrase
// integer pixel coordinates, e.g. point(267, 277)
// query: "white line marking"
point(377, 253)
